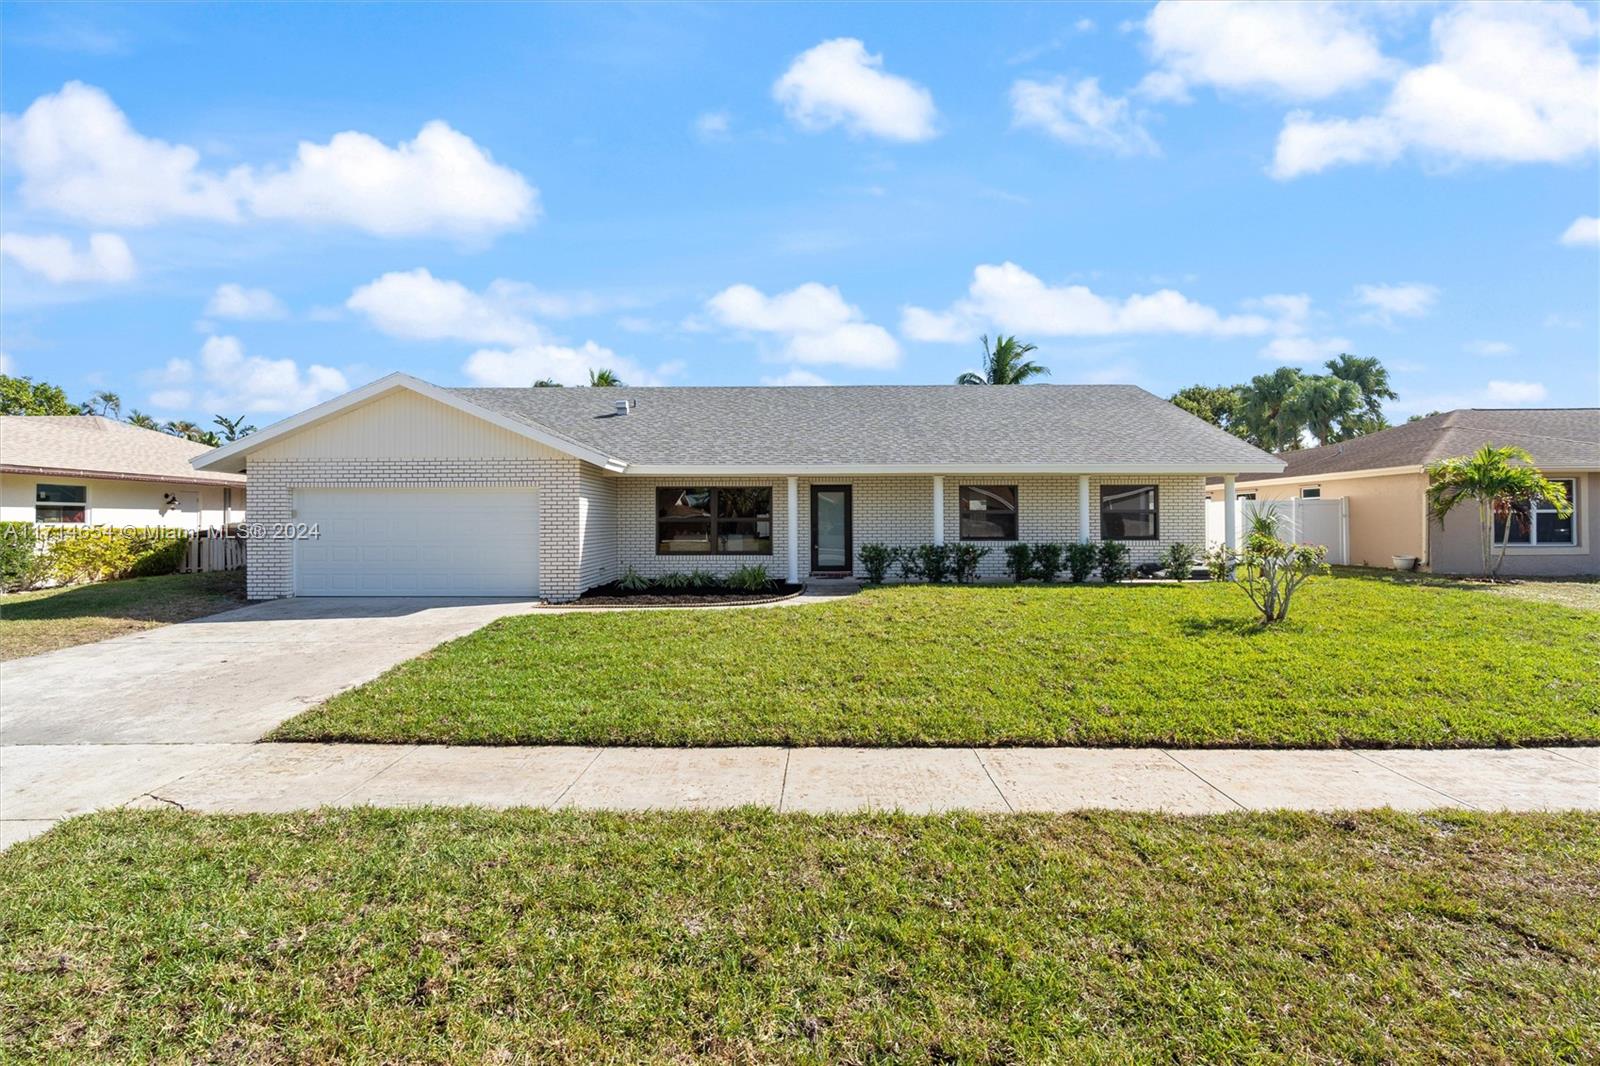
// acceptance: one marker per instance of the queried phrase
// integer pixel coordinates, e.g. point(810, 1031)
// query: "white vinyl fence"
point(1324, 522)
point(208, 551)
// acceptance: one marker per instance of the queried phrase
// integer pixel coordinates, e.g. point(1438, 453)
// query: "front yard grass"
point(463, 935)
point(35, 622)
point(1362, 661)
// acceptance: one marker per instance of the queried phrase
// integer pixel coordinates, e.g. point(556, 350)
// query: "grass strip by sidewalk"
point(1362, 661)
point(465, 935)
point(32, 623)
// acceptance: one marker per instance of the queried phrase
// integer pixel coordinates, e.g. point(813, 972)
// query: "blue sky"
point(251, 208)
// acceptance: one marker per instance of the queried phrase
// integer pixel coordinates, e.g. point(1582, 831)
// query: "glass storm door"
point(830, 529)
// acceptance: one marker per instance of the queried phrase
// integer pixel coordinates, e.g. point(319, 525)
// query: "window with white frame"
point(1534, 522)
point(61, 504)
point(1310, 494)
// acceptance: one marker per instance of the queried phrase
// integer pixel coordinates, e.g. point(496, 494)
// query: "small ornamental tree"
point(1495, 478)
point(1271, 570)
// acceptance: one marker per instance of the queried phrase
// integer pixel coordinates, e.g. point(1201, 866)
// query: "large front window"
point(1129, 512)
point(57, 504)
point(706, 521)
point(988, 512)
point(1535, 521)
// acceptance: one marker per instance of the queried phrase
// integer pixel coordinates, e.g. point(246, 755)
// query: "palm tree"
point(1004, 364)
point(604, 379)
point(548, 383)
point(142, 420)
point(1497, 478)
point(104, 403)
point(1372, 379)
point(233, 428)
point(1321, 405)
point(1264, 413)
point(190, 431)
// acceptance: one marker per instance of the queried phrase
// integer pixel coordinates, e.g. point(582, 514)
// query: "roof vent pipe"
point(624, 406)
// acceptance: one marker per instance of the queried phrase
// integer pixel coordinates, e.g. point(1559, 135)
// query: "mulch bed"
point(693, 596)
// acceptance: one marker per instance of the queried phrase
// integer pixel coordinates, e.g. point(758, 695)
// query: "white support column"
point(1083, 508)
point(794, 530)
point(938, 510)
point(1230, 513)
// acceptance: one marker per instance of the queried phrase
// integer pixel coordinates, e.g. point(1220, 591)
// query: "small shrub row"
point(32, 555)
point(933, 563)
point(753, 577)
point(1025, 562)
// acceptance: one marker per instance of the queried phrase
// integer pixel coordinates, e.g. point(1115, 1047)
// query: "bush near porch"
point(1362, 661)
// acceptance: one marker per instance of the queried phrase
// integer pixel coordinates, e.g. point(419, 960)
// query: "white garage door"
point(418, 542)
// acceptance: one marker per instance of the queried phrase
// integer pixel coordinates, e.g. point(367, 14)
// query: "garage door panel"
point(418, 542)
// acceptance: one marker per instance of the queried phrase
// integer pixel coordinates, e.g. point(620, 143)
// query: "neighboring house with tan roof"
point(1382, 476)
point(91, 470)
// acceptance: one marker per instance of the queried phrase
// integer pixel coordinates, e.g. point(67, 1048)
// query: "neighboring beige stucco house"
point(90, 470)
point(405, 488)
point(1383, 477)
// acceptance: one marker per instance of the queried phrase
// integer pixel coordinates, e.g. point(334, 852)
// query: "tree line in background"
point(24, 396)
point(1281, 409)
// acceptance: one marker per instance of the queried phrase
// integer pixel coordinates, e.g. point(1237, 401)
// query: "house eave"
point(223, 479)
point(813, 470)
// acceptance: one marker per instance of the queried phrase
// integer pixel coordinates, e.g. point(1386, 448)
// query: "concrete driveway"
point(226, 678)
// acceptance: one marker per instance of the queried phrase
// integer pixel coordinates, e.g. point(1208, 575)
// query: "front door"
point(831, 550)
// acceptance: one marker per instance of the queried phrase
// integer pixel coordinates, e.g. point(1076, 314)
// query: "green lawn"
point(35, 622)
point(1362, 661)
point(460, 935)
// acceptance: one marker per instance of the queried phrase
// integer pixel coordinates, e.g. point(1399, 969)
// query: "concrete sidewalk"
point(42, 783)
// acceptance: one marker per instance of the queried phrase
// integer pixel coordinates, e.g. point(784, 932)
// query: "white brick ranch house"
point(416, 489)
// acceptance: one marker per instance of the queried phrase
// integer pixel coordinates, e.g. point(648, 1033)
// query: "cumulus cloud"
point(1294, 338)
point(1385, 303)
point(713, 126)
point(1516, 393)
point(227, 379)
point(814, 320)
point(523, 365)
point(1302, 51)
point(1008, 297)
point(415, 305)
point(838, 83)
point(52, 256)
point(1584, 231)
point(79, 156)
point(796, 376)
point(441, 182)
point(1080, 114)
point(235, 301)
point(1507, 85)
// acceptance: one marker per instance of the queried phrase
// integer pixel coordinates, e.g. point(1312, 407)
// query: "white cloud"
point(523, 365)
point(1515, 393)
point(1489, 348)
point(106, 258)
point(1302, 51)
point(79, 156)
point(441, 182)
point(1079, 114)
point(797, 376)
point(415, 305)
point(1292, 322)
point(713, 126)
point(1385, 303)
point(1009, 298)
point(1506, 86)
point(816, 322)
point(1585, 230)
point(838, 83)
point(226, 379)
point(235, 301)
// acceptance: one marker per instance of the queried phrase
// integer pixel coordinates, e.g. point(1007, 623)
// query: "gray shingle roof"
point(955, 425)
point(1558, 439)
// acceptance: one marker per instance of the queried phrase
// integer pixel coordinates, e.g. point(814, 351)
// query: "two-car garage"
point(466, 541)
